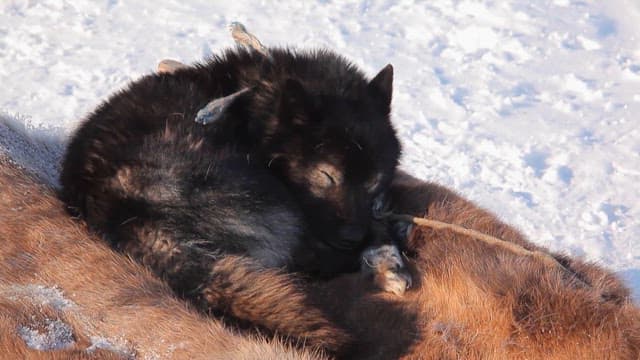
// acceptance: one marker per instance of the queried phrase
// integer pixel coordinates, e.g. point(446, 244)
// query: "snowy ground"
point(528, 108)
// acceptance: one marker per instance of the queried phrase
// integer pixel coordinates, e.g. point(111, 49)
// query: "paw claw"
point(388, 270)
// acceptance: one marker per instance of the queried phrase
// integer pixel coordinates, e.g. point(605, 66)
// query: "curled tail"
point(269, 298)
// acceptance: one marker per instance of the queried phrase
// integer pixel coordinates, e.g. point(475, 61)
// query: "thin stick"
point(513, 247)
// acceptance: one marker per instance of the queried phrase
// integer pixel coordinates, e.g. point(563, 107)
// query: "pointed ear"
point(294, 102)
point(381, 87)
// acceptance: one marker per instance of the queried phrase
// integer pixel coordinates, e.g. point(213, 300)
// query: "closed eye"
point(329, 177)
point(324, 177)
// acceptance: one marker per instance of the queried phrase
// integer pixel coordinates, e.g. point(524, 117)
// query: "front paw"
point(384, 264)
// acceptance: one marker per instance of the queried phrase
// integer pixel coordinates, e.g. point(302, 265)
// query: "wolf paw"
point(384, 263)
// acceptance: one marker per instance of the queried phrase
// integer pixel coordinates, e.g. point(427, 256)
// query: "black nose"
point(378, 208)
point(353, 233)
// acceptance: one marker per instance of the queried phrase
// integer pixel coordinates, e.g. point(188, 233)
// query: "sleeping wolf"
point(285, 178)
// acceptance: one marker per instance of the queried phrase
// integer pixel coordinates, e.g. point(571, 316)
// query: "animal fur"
point(286, 179)
point(469, 301)
point(475, 301)
point(94, 292)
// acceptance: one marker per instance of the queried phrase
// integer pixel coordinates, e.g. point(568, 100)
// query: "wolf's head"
point(334, 146)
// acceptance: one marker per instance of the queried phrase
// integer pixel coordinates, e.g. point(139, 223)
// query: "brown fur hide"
point(55, 278)
point(471, 300)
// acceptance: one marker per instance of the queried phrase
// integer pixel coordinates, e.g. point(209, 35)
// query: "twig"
point(491, 240)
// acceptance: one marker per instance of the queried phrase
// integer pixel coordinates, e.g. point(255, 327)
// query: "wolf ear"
point(381, 87)
point(294, 103)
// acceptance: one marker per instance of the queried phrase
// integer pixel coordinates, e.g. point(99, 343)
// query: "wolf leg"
point(220, 282)
point(240, 287)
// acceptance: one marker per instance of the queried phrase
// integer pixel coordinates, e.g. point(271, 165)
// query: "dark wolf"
point(75, 298)
point(285, 179)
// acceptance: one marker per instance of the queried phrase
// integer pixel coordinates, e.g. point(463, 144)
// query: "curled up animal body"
point(285, 178)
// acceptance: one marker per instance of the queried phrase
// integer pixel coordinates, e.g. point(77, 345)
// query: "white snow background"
point(529, 108)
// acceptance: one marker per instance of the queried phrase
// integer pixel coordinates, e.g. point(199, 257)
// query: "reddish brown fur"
point(114, 297)
point(276, 298)
point(471, 300)
point(14, 315)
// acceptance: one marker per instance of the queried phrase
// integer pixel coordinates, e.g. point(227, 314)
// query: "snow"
point(528, 108)
point(101, 343)
point(56, 335)
point(43, 333)
point(40, 295)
